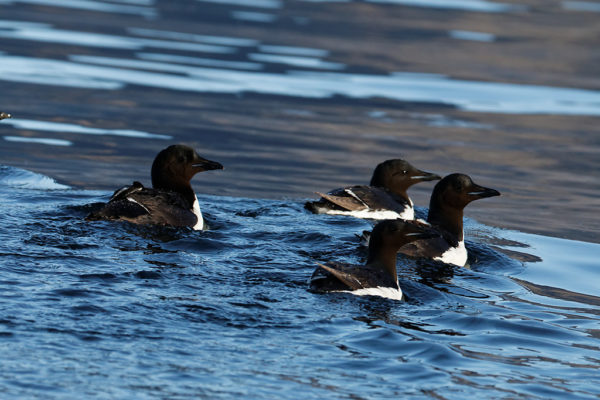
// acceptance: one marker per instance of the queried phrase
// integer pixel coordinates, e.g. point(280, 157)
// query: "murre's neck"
point(381, 182)
point(180, 186)
point(449, 218)
point(401, 193)
point(384, 258)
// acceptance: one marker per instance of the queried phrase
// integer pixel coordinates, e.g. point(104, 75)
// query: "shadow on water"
point(236, 298)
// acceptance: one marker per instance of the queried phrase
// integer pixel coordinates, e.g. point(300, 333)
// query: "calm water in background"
point(293, 97)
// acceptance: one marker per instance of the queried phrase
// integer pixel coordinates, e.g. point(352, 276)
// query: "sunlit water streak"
point(142, 8)
point(462, 5)
point(161, 71)
point(269, 4)
point(119, 310)
point(473, 36)
point(49, 126)
point(47, 141)
point(114, 73)
point(586, 6)
point(253, 16)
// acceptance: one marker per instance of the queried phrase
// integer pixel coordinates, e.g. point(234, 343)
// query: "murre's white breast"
point(455, 255)
point(387, 292)
point(196, 210)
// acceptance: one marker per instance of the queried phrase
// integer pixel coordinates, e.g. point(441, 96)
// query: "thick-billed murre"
point(171, 201)
point(384, 198)
point(449, 198)
point(378, 277)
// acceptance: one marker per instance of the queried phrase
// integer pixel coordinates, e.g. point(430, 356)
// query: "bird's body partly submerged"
point(448, 200)
point(170, 201)
point(378, 277)
point(384, 198)
point(4, 115)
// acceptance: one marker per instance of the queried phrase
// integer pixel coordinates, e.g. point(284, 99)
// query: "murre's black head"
point(458, 190)
point(175, 166)
point(449, 198)
point(4, 115)
point(398, 175)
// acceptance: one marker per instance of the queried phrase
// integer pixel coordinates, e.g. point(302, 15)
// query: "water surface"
point(295, 97)
point(113, 309)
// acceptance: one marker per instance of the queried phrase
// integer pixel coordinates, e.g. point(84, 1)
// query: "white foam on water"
point(22, 178)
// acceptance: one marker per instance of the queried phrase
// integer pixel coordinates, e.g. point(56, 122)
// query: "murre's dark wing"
point(147, 206)
point(430, 248)
point(376, 198)
point(120, 207)
point(346, 273)
point(362, 197)
point(343, 201)
point(336, 276)
point(122, 193)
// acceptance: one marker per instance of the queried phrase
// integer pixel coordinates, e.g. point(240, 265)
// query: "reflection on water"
point(573, 257)
point(470, 35)
point(294, 51)
point(206, 74)
point(192, 37)
point(581, 6)
point(296, 61)
point(204, 62)
point(468, 95)
point(92, 5)
point(253, 16)
point(465, 5)
point(46, 33)
point(49, 126)
point(47, 141)
point(247, 3)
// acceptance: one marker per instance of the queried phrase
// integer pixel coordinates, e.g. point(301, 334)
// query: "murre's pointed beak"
point(202, 164)
point(4, 115)
point(480, 192)
point(423, 176)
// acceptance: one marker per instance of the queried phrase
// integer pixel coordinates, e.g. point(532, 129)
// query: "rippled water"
point(118, 310)
point(295, 96)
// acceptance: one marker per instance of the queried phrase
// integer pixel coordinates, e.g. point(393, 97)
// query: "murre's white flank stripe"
point(387, 292)
point(141, 205)
point(408, 213)
point(455, 255)
point(351, 193)
point(123, 189)
point(196, 210)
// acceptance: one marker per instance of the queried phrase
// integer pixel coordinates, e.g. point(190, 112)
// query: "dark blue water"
point(295, 96)
point(114, 310)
